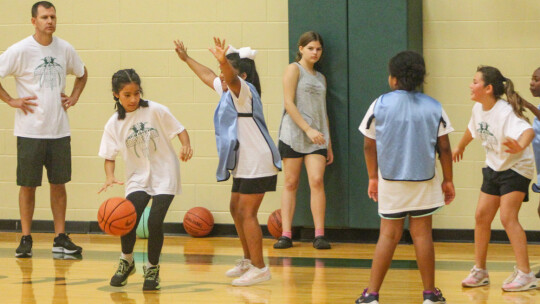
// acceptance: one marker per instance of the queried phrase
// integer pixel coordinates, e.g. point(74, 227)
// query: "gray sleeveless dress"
point(310, 99)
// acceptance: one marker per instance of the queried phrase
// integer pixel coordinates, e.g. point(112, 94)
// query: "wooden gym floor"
point(192, 271)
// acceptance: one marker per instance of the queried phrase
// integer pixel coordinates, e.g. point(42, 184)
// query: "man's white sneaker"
point(242, 265)
point(253, 276)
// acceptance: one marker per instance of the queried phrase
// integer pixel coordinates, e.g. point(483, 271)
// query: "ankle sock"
point(128, 257)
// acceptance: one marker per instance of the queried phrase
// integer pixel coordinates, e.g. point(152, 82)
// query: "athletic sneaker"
point(63, 243)
point(151, 278)
point(25, 247)
point(125, 269)
point(372, 298)
point(283, 242)
point(67, 257)
point(522, 281)
point(511, 277)
point(431, 297)
point(253, 276)
point(242, 265)
point(537, 275)
point(477, 277)
point(321, 242)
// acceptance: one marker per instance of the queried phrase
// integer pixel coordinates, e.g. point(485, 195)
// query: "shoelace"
point(521, 279)
point(26, 239)
point(151, 273)
point(121, 268)
point(477, 273)
point(241, 263)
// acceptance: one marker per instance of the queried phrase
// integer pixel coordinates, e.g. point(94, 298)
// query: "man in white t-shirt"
point(40, 64)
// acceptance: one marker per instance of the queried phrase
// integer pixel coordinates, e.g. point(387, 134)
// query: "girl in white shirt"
point(142, 131)
point(255, 170)
point(505, 134)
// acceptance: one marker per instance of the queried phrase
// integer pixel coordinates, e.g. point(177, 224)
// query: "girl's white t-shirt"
point(144, 140)
point(492, 127)
point(401, 196)
point(254, 155)
point(41, 71)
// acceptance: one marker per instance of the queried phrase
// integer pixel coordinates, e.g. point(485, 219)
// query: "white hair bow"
point(245, 52)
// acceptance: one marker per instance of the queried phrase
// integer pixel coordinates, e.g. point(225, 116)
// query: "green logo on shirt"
point(141, 136)
point(489, 141)
point(49, 73)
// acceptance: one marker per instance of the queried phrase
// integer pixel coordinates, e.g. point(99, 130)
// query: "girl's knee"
point(393, 235)
point(233, 209)
point(155, 220)
point(317, 183)
point(509, 221)
point(421, 235)
point(291, 185)
point(482, 220)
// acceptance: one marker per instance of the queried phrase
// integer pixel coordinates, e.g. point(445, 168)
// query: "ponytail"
point(514, 99)
point(502, 85)
point(119, 109)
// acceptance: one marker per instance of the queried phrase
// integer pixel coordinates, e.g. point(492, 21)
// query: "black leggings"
point(160, 205)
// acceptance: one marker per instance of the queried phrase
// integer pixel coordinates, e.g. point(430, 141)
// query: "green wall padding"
point(329, 19)
point(360, 37)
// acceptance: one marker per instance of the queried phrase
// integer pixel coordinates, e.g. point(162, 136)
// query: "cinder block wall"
point(459, 35)
point(114, 34)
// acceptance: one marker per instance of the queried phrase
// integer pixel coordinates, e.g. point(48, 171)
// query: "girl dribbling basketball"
point(142, 131)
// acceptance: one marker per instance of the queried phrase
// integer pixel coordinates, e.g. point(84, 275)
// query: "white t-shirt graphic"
point(41, 71)
point(492, 127)
point(144, 139)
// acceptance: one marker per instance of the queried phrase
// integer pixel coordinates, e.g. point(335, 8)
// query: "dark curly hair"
point(119, 80)
point(409, 69)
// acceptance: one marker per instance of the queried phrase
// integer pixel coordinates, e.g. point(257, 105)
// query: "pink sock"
point(287, 234)
point(319, 232)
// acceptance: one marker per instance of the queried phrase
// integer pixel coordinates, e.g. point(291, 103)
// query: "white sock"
point(148, 265)
point(128, 257)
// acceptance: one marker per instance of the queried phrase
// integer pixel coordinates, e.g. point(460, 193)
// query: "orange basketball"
point(117, 216)
point(198, 221)
point(274, 224)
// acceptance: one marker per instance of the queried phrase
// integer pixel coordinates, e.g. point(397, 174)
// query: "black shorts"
point(503, 182)
point(287, 152)
point(254, 185)
point(34, 153)
point(413, 213)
